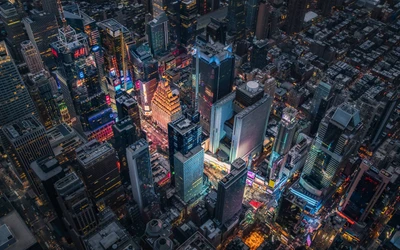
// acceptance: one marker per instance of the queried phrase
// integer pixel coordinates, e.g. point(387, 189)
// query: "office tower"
point(216, 76)
point(157, 33)
point(321, 102)
point(50, 6)
point(15, 101)
point(216, 30)
point(326, 7)
point(270, 87)
point(364, 191)
point(78, 211)
point(114, 41)
point(147, 90)
point(251, 14)
point(47, 171)
point(78, 77)
point(125, 134)
point(231, 191)
point(188, 169)
point(282, 144)
point(267, 21)
point(31, 57)
point(42, 30)
point(138, 22)
point(40, 88)
point(236, 19)
point(64, 140)
point(295, 17)
point(258, 54)
point(158, 7)
point(337, 138)
point(183, 136)
point(145, 68)
point(188, 15)
point(98, 167)
point(165, 106)
point(127, 106)
point(250, 124)
point(138, 157)
point(28, 142)
point(14, 28)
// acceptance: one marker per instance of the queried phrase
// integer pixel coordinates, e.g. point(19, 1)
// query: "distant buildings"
point(296, 13)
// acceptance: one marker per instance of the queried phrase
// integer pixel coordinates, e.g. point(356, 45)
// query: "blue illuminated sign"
point(95, 48)
point(81, 75)
point(118, 87)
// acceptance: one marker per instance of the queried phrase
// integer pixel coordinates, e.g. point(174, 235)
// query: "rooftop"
point(17, 227)
point(46, 167)
point(182, 125)
point(196, 242)
point(89, 153)
point(183, 158)
point(22, 127)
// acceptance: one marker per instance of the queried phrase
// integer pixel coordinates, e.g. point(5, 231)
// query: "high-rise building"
point(127, 106)
point(326, 7)
point(138, 157)
point(295, 17)
point(267, 21)
point(251, 8)
point(282, 144)
point(145, 68)
point(363, 193)
point(28, 142)
point(139, 19)
point(31, 57)
point(188, 15)
point(124, 135)
point(14, 28)
point(15, 101)
point(78, 211)
point(78, 77)
point(337, 138)
point(158, 7)
point(216, 73)
point(147, 90)
point(98, 166)
point(258, 55)
point(236, 19)
point(321, 102)
point(189, 173)
point(165, 106)
point(42, 30)
point(231, 192)
point(50, 6)
point(270, 87)
point(183, 136)
point(157, 33)
point(216, 30)
point(206, 6)
point(115, 39)
point(47, 171)
point(41, 89)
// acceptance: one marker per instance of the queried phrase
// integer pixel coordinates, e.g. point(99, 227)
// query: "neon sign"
point(54, 52)
point(79, 52)
point(95, 48)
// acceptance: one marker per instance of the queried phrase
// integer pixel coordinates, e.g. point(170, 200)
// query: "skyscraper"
point(28, 142)
point(282, 144)
point(188, 169)
point(157, 32)
point(98, 166)
point(216, 73)
point(15, 101)
point(363, 193)
point(78, 211)
point(251, 14)
point(321, 102)
point(124, 135)
point(158, 7)
point(231, 191)
point(50, 6)
point(31, 57)
point(183, 136)
point(236, 19)
point(216, 30)
point(337, 138)
point(147, 90)
point(258, 56)
point(41, 87)
point(267, 21)
point(295, 18)
point(188, 15)
point(165, 106)
point(42, 30)
point(14, 28)
point(127, 106)
point(78, 77)
point(138, 156)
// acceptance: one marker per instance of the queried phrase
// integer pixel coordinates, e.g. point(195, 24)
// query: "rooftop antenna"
point(61, 11)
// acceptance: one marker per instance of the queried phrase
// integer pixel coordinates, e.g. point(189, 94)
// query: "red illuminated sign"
point(108, 99)
point(54, 52)
point(79, 52)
